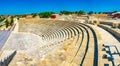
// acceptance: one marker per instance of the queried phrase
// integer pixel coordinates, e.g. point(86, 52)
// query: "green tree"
point(99, 12)
point(66, 12)
point(81, 12)
point(23, 15)
point(90, 12)
point(1, 19)
point(76, 12)
point(34, 15)
point(115, 11)
point(45, 14)
point(12, 21)
point(7, 23)
point(17, 18)
point(95, 12)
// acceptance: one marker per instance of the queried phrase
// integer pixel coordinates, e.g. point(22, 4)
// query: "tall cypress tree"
point(12, 21)
point(7, 23)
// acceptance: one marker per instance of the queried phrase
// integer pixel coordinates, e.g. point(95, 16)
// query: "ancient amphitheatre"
point(72, 41)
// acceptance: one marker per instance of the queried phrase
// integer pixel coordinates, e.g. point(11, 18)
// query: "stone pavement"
point(111, 45)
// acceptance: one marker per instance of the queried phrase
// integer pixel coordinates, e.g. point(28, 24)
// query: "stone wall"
point(107, 23)
point(7, 60)
point(110, 30)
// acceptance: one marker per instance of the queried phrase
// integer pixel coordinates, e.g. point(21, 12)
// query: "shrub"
point(45, 14)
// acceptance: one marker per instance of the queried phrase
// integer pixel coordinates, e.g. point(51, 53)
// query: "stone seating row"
point(88, 39)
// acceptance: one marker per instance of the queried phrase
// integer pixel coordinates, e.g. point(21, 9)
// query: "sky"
point(8, 7)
